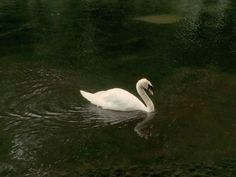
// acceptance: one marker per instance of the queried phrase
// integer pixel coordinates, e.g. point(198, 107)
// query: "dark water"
point(49, 50)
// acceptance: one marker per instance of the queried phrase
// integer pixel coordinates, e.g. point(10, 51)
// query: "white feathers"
point(121, 100)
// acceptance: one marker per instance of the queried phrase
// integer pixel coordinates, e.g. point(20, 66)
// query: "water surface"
point(49, 50)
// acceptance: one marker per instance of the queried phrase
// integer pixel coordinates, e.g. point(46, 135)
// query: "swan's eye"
point(150, 87)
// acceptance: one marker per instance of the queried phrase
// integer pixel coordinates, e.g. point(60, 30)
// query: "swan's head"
point(146, 85)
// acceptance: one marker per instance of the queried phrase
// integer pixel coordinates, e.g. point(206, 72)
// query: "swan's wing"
point(118, 99)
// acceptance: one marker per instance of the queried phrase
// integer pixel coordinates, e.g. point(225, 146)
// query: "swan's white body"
point(121, 100)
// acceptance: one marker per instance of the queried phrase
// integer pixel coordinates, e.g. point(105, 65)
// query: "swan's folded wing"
point(118, 99)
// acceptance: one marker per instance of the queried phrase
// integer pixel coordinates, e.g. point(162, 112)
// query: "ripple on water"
point(39, 104)
point(30, 109)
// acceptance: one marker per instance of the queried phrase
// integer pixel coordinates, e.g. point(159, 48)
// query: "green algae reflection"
point(159, 19)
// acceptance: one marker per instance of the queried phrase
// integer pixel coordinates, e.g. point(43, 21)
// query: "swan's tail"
point(87, 95)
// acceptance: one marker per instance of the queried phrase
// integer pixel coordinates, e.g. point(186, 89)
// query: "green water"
point(49, 50)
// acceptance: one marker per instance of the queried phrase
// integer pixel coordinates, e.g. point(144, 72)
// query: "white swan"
point(121, 100)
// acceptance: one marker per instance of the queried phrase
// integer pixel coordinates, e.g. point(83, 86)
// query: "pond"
point(49, 50)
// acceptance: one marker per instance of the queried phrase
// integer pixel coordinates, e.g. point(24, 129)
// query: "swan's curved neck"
point(148, 102)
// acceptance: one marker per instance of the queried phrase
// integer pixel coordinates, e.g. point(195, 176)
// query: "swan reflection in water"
point(143, 128)
point(103, 117)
